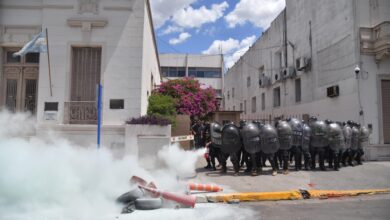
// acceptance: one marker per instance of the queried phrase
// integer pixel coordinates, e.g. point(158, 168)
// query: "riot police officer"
point(250, 134)
point(269, 144)
point(347, 132)
point(336, 143)
point(363, 142)
point(297, 140)
point(354, 143)
point(318, 142)
point(216, 143)
point(285, 140)
point(231, 146)
point(306, 132)
point(196, 130)
point(244, 156)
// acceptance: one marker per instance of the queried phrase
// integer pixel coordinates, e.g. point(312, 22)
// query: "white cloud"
point(258, 12)
point(162, 10)
point(182, 37)
point(171, 29)
point(227, 46)
point(194, 18)
point(210, 31)
point(232, 48)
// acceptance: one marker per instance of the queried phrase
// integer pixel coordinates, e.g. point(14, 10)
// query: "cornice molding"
point(35, 7)
point(78, 22)
point(117, 8)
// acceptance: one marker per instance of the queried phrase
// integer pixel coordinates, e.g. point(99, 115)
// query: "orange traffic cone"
point(183, 199)
point(204, 187)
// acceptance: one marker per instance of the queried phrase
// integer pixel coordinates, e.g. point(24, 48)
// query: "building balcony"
point(376, 40)
point(80, 112)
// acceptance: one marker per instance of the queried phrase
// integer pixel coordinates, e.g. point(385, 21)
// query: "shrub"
point(149, 120)
point(161, 105)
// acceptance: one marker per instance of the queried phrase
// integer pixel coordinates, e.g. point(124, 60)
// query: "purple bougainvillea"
point(190, 98)
point(150, 120)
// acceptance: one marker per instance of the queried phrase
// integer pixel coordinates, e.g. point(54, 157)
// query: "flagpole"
point(48, 61)
point(99, 112)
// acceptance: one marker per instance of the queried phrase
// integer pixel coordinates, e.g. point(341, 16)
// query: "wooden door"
point(385, 88)
point(20, 81)
point(81, 109)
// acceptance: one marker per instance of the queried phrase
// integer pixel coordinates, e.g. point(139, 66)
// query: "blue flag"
point(37, 44)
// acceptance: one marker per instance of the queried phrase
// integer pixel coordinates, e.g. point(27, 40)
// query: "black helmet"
point(313, 118)
point(242, 122)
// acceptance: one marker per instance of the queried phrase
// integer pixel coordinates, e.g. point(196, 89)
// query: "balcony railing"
point(80, 112)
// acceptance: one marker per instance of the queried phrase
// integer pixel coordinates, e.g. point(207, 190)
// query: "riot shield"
point(306, 132)
point(363, 137)
point(336, 137)
point(215, 133)
point(270, 140)
point(319, 134)
point(285, 135)
point(355, 138)
point(231, 140)
point(297, 129)
point(250, 134)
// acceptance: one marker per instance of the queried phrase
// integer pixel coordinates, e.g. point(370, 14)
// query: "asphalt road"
point(370, 175)
point(363, 207)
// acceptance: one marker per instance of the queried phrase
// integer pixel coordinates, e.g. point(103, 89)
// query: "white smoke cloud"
point(49, 178)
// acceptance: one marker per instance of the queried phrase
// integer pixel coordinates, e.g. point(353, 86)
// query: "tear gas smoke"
point(49, 178)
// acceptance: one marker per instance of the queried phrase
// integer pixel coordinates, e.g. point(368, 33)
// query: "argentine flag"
point(37, 45)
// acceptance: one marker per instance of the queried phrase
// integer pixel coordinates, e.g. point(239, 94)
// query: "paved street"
point(363, 207)
point(371, 175)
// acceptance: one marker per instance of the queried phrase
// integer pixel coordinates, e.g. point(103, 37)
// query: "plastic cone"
point(205, 187)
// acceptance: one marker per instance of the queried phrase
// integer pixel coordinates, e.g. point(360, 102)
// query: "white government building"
point(90, 41)
point(304, 65)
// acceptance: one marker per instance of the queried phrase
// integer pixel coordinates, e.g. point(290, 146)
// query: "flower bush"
point(149, 120)
point(190, 98)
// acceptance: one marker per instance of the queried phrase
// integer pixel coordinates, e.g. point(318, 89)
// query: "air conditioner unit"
point(264, 81)
point(303, 64)
point(332, 91)
point(288, 72)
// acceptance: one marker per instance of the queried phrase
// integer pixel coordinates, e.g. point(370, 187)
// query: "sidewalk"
point(370, 175)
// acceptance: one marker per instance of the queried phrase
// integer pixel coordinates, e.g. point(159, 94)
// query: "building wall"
point(327, 32)
point(128, 53)
point(150, 67)
point(194, 60)
point(372, 69)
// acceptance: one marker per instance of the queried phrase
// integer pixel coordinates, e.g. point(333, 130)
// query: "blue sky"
point(205, 26)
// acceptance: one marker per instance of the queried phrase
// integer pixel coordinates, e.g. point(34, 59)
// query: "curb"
point(324, 194)
point(256, 196)
point(288, 195)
